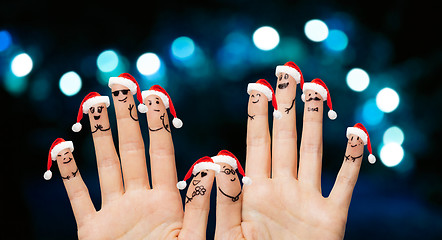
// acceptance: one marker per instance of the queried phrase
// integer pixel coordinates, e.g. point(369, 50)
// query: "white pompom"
point(181, 185)
point(371, 159)
point(332, 115)
point(142, 108)
point(177, 123)
point(246, 181)
point(76, 127)
point(47, 175)
point(277, 114)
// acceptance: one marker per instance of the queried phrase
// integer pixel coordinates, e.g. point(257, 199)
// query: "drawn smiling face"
point(66, 163)
point(355, 141)
point(156, 114)
point(98, 118)
point(257, 103)
point(96, 111)
point(124, 102)
point(286, 88)
point(228, 182)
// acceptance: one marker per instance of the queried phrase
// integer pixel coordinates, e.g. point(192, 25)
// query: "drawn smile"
point(283, 85)
point(233, 179)
point(70, 159)
point(123, 100)
point(156, 110)
point(314, 99)
point(195, 182)
point(154, 130)
point(255, 101)
point(97, 117)
point(354, 145)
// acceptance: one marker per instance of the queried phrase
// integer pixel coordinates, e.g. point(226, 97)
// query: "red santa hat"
point(128, 81)
point(160, 92)
point(319, 86)
point(57, 146)
point(291, 69)
point(90, 100)
point(225, 156)
point(359, 130)
point(263, 86)
point(199, 165)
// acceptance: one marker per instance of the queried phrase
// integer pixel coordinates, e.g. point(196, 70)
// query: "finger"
point(162, 156)
point(311, 143)
point(198, 204)
point(284, 147)
point(348, 174)
point(77, 191)
point(107, 159)
point(131, 145)
point(228, 201)
point(258, 136)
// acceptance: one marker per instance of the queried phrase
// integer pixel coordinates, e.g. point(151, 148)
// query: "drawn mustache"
point(314, 99)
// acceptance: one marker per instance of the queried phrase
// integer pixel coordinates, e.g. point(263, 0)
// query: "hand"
point(134, 210)
point(282, 202)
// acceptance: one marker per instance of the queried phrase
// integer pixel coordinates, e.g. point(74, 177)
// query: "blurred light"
point(70, 83)
point(394, 135)
point(107, 61)
point(21, 65)
point(15, 85)
point(266, 38)
point(183, 47)
point(387, 100)
point(392, 154)
point(337, 40)
point(357, 79)
point(148, 64)
point(371, 114)
point(316, 30)
point(40, 88)
point(5, 40)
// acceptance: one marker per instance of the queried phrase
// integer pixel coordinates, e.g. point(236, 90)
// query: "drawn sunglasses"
point(124, 92)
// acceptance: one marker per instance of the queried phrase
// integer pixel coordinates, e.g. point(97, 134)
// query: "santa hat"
point(359, 130)
point(319, 86)
point(263, 86)
point(58, 145)
point(90, 100)
point(128, 81)
point(291, 69)
point(160, 92)
point(199, 165)
point(225, 156)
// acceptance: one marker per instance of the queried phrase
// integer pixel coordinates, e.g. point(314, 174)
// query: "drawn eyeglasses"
point(229, 171)
point(124, 92)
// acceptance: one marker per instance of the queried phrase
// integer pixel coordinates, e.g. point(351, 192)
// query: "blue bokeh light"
point(5, 40)
point(70, 83)
point(182, 48)
point(393, 134)
point(107, 61)
point(336, 41)
point(371, 113)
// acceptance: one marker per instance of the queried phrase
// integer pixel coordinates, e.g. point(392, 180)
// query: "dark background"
point(396, 42)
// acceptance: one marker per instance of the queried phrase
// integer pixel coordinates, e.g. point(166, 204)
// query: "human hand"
point(133, 210)
point(284, 202)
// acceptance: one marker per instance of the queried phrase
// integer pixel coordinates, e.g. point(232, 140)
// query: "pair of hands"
point(283, 202)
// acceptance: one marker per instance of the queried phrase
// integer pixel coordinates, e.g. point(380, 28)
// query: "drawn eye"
point(286, 76)
point(316, 92)
point(116, 93)
point(157, 102)
point(309, 94)
point(125, 91)
point(357, 138)
point(280, 77)
point(150, 102)
point(100, 109)
point(258, 94)
point(352, 138)
point(92, 109)
point(253, 95)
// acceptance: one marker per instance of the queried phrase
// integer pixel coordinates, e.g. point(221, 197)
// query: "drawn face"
point(124, 102)
point(258, 103)
point(200, 186)
point(156, 114)
point(66, 163)
point(98, 118)
point(228, 183)
point(285, 88)
point(355, 141)
point(313, 101)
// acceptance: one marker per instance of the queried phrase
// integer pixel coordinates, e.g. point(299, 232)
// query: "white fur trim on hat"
point(206, 165)
point(95, 100)
point(57, 148)
point(317, 88)
point(246, 180)
point(358, 132)
point(291, 71)
point(125, 82)
point(163, 96)
point(225, 159)
point(260, 88)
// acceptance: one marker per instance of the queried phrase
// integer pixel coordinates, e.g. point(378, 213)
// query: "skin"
point(225, 222)
point(135, 210)
point(257, 101)
point(198, 207)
